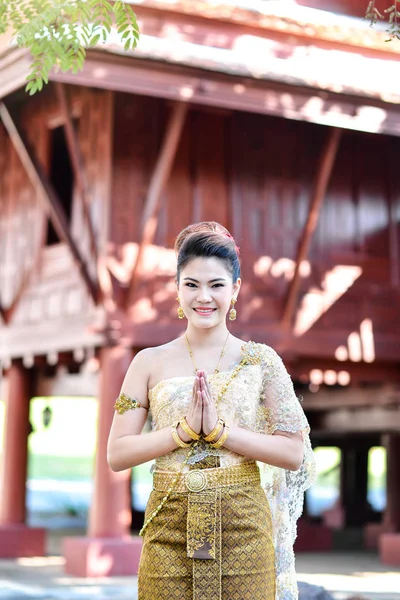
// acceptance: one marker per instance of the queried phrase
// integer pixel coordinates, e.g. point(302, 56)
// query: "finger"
point(206, 389)
point(205, 381)
point(205, 398)
point(202, 381)
point(196, 386)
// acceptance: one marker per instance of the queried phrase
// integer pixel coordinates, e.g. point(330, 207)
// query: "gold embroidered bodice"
point(241, 405)
point(260, 398)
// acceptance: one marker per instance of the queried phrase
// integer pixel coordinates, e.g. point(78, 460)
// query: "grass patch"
point(41, 466)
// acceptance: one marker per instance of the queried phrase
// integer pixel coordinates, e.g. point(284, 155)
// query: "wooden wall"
point(255, 174)
point(53, 309)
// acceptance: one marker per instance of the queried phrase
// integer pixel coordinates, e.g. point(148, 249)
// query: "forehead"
point(206, 268)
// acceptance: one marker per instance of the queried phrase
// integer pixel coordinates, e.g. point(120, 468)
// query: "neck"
point(214, 336)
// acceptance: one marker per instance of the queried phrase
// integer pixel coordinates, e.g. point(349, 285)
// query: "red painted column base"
point(313, 537)
point(373, 533)
point(101, 557)
point(389, 548)
point(20, 541)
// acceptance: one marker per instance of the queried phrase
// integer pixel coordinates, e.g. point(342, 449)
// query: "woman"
point(218, 405)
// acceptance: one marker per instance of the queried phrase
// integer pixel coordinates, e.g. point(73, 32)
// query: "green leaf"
point(94, 40)
point(56, 32)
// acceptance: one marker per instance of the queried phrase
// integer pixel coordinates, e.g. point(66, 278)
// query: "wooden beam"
point(76, 160)
point(321, 183)
point(210, 87)
point(362, 420)
point(394, 222)
point(48, 195)
point(7, 313)
point(378, 372)
point(159, 178)
point(351, 397)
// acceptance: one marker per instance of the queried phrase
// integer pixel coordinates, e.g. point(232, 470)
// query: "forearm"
point(132, 450)
point(276, 450)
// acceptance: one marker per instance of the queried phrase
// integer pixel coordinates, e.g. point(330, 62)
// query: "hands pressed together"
point(202, 415)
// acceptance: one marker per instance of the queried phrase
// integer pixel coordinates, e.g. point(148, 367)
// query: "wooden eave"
point(230, 57)
point(156, 78)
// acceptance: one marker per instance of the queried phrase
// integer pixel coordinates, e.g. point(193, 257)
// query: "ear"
point(236, 287)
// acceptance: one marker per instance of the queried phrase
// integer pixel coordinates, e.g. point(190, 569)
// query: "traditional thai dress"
point(227, 529)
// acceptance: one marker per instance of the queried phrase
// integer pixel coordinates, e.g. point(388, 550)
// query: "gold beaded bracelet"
point(187, 429)
point(222, 439)
point(177, 439)
point(214, 433)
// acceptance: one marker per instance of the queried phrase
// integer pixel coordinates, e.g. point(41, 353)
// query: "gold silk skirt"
point(212, 540)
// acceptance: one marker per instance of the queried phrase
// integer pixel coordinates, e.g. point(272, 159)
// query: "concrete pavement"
point(342, 574)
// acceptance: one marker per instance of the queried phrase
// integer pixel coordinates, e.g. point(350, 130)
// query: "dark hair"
point(207, 239)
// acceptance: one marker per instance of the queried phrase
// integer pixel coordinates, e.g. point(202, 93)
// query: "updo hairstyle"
point(207, 239)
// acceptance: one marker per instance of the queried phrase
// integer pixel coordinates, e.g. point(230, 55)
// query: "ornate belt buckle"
point(196, 481)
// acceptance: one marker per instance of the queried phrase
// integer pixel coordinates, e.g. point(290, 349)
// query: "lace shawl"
point(284, 489)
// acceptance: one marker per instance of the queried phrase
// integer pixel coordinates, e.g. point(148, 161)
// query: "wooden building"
point(279, 121)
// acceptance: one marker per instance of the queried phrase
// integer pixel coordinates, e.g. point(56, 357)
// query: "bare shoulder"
point(163, 359)
point(159, 353)
point(145, 361)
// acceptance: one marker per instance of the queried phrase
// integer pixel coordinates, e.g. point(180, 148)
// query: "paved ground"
point(343, 574)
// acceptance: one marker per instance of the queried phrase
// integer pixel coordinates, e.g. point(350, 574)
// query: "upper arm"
point(285, 413)
point(132, 421)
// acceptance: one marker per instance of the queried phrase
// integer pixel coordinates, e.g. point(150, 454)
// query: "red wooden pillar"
point(108, 548)
point(15, 538)
point(389, 543)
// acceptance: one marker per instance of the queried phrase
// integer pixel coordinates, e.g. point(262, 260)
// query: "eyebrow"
point(211, 280)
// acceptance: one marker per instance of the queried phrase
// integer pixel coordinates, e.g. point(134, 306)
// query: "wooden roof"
point(274, 57)
point(285, 17)
point(356, 8)
point(278, 40)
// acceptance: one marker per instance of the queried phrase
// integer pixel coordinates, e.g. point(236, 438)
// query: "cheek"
point(225, 298)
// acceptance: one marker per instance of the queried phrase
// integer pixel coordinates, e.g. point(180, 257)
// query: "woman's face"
point(205, 290)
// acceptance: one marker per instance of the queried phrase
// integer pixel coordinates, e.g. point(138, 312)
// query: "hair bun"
point(202, 227)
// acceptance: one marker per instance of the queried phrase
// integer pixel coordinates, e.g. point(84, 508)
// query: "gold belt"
point(199, 480)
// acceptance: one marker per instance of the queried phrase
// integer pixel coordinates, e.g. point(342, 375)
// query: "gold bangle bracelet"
point(222, 439)
point(187, 429)
point(177, 439)
point(217, 429)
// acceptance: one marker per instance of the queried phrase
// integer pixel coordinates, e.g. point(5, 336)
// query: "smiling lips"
point(204, 312)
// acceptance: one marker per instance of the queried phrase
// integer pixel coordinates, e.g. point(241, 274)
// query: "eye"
point(218, 285)
point(190, 284)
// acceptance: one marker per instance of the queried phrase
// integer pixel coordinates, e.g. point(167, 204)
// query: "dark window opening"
point(61, 177)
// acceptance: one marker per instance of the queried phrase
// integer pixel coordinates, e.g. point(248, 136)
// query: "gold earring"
point(181, 314)
point(232, 312)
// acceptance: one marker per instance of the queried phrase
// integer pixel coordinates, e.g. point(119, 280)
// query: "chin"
point(203, 324)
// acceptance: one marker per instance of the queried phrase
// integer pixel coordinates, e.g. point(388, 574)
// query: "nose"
point(204, 295)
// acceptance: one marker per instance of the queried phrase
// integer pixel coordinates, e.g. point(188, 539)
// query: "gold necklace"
point(220, 356)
